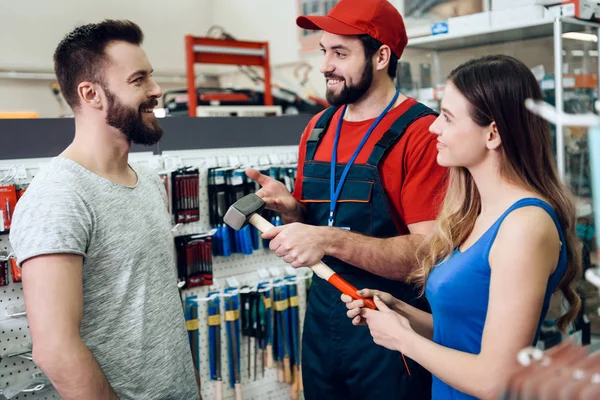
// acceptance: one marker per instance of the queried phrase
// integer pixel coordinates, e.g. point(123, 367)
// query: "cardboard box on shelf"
point(510, 4)
point(469, 23)
point(519, 15)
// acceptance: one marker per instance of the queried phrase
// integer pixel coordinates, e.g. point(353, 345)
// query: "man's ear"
point(90, 94)
point(384, 55)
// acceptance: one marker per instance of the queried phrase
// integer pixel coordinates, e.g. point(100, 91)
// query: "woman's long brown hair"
point(496, 88)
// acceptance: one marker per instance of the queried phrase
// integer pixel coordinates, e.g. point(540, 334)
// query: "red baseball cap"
point(376, 18)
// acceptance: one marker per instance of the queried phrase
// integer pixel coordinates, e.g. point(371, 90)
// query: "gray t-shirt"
point(133, 319)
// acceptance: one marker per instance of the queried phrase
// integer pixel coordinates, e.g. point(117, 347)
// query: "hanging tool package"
point(194, 259)
point(193, 328)
point(185, 197)
point(214, 343)
point(232, 319)
point(225, 187)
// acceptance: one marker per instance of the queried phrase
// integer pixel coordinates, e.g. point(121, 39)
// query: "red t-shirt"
point(412, 178)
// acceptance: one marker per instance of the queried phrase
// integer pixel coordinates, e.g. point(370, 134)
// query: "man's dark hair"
point(371, 45)
point(81, 55)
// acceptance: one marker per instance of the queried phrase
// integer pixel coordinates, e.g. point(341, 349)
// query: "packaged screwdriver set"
point(194, 259)
point(185, 195)
point(225, 187)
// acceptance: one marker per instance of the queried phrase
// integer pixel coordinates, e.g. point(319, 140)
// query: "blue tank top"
point(458, 291)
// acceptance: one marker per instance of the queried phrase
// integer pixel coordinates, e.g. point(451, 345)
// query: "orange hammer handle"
point(322, 270)
point(345, 287)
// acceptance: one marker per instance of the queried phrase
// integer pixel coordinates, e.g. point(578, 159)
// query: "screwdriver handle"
point(269, 356)
point(238, 391)
point(296, 386)
point(219, 390)
point(287, 370)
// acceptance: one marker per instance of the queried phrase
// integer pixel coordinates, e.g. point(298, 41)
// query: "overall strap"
point(318, 131)
point(396, 131)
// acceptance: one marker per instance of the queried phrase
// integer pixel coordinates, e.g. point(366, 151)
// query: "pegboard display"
point(14, 332)
point(242, 267)
point(267, 387)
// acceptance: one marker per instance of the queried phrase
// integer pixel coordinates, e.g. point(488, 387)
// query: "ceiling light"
point(587, 37)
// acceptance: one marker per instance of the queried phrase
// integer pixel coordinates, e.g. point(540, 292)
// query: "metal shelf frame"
point(205, 50)
point(513, 33)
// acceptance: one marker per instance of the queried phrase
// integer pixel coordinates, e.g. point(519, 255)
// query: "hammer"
point(247, 210)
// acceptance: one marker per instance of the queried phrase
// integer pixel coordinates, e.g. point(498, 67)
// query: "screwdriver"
point(214, 326)
point(285, 322)
point(262, 330)
point(247, 326)
point(234, 353)
point(255, 328)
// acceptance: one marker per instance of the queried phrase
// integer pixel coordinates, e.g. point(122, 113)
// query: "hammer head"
point(240, 212)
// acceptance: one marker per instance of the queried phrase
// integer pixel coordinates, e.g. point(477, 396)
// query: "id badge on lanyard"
point(334, 191)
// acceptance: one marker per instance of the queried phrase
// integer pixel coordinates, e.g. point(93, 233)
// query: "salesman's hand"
point(274, 193)
point(300, 245)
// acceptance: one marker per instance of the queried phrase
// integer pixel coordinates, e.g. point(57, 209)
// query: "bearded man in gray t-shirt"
point(92, 235)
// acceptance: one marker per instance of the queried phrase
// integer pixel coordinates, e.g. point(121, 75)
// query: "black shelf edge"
point(42, 138)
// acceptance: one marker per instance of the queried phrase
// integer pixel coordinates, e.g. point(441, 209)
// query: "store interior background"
point(30, 31)
point(39, 25)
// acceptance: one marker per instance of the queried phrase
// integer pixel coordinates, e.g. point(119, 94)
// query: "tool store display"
point(194, 259)
point(234, 335)
point(225, 187)
point(261, 324)
point(248, 210)
point(192, 326)
point(232, 321)
point(10, 192)
point(214, 343)
point(564, 372)
point(8, 262)
point(36, 383)
point(185, 195)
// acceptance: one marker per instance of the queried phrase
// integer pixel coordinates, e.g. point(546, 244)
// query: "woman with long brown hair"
point(505, 239)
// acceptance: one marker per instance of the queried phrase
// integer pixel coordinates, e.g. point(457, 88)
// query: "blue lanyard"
point(335, 193)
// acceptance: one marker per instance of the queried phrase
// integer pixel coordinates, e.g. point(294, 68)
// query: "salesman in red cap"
point(367, 192)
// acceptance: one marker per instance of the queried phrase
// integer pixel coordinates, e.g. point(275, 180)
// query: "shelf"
point(494, 35)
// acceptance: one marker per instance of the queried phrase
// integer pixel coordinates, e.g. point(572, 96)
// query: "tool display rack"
point(574, 92)
point(205, 50)
point(14, 331)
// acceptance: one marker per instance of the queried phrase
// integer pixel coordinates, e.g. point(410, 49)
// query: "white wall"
point(261, 20)
point(30, 31)
point(275, 21)
point(257, 19)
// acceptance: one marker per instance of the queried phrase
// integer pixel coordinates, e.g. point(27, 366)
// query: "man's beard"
point(130, 121)
point(351, 93)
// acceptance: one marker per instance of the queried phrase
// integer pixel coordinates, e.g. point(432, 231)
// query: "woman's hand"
point(388, 328)
point(354, 306)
